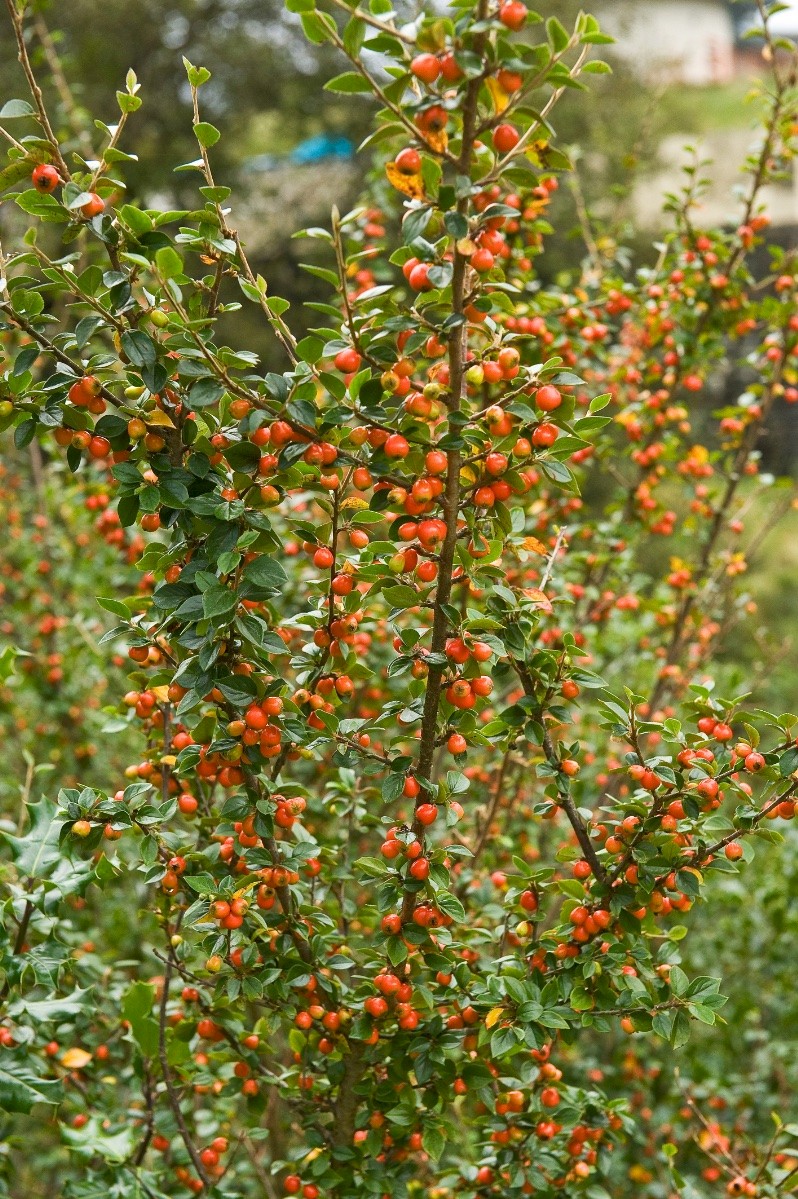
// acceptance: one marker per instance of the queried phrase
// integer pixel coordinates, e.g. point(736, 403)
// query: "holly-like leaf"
point(36, 852)
point(21, 1089)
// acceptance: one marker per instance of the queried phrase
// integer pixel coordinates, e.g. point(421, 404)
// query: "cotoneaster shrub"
point(433, 757)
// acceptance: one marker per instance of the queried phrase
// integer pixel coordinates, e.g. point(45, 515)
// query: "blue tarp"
point(321, 148)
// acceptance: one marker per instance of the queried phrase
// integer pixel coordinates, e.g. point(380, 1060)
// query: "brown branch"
point(19, 940)
point(345, 1107)
point(62, 86)
point(734, 479)
point(368, 19)
point(149, 1128)
point(451, 493)
point(563, 797)
point(35, 90)
point(172, 1095)
point(744, 832)
point(52, 348)
point(495, 804)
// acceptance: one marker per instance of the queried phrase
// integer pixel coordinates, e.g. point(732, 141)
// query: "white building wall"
point(690, 42)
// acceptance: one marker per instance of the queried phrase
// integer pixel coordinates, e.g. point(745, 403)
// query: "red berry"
point(457, 744)
point(93, 206)
point(482, 260)
point(347, 361)
point(544, 435)
point(548, 398)
point(510, 81)
point(426, 813)
point(505, 138)
point(426, 67)
point(408, 161)
point(45, 178)
point(417, 278)
point(376, 1006)
point(450, 68)
point(512, 14)
point(396, 446)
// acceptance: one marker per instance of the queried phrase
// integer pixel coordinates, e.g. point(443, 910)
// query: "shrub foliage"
point(431, 754)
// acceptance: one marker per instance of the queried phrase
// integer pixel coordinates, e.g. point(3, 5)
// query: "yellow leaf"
point(75, 1059)
point(437, 140)
point(499, 96)
point(161, 693)
point(539, 599)
point(538, 152)
point(408, 185)
point(160, 418)
point(494, 1016)
point(466, 247)
point(534, 546)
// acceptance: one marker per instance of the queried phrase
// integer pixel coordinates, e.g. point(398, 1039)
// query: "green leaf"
point(40, 1010)
point(196, 75)
point(8, 657)
point(557, 34)
point(12, 109)
point(127, 103)
point(680, 1033)
point(206, 134)
point(137, 1008)
point(25, 432)
point(203, 884)
point(218, 601)
point(396, 950)
point(20, 1088)
point(47, 208)
point(788, 762)
point(217, 195)
point(662, 1024)
point(450, 906)
point(169, 262)
point(401, 596)
point(679, 980)
point(317, 26)
point(15, 172)
point(37, 851)
point(348, 83)
point(140, 349)
point(263, 574)
point(94, 1139)
point(205, 392)
point(434, 1141)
